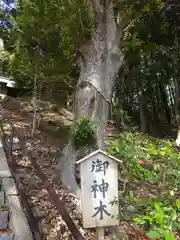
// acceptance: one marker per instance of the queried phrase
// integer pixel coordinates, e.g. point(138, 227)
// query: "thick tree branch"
point(95, 4)
point(98, 5)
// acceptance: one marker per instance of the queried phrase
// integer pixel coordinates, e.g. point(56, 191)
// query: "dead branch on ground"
point(10, 145)
point(55, 200)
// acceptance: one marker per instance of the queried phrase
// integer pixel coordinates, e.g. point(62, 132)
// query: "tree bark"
point(99, 66)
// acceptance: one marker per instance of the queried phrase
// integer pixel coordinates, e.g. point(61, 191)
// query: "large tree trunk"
point(99, 65)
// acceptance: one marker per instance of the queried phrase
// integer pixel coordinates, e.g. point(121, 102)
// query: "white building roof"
point(9, 83)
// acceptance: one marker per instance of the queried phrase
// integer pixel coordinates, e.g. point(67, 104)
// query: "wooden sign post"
point(99, 187)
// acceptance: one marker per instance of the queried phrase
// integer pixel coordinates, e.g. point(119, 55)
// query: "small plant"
point(162, 221)
point(83, 133)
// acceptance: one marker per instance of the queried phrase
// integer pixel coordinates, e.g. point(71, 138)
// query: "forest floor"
point(47, 145)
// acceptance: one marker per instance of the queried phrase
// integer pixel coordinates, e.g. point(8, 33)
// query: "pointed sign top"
point(96, 152)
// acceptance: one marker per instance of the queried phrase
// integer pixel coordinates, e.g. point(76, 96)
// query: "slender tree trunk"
point(34, 104)
point(143, 126)
point(142, 110)
point(156, 119)
point(98, 69)
point(177, 116)
point(172, 97)
point(119, 114)
point(165, 103)
point(155, 122)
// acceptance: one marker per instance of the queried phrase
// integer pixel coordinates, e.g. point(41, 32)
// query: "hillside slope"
point(149, 185)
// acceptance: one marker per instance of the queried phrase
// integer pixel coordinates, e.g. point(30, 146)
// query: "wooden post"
point(100, 230)
point(100, 233)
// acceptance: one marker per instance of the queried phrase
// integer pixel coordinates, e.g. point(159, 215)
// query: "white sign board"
point(99, 187)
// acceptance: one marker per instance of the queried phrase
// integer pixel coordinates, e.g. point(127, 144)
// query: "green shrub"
point(162, 220)
point(83, 133)
point(149, 163)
